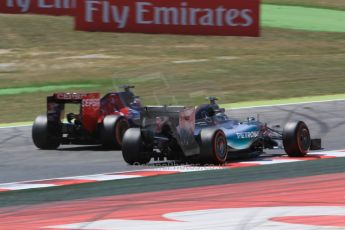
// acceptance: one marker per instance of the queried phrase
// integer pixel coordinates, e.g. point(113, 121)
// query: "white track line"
point(287, 104)
point(16, 126)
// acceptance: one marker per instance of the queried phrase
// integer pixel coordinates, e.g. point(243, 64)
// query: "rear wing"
point(71, 97)
point(154, 117)
point(89, 107)
point(179, 119)
point(150, 111)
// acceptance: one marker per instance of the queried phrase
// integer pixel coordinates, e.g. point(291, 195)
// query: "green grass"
point(281, 64)
point(302, 18)
point(330, 4)
point(46, 88)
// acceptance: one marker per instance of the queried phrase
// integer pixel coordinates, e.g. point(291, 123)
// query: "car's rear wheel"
point(213, 146)
point(43, 136)
point(112, 130)
point(133, 148)
point(296, 139)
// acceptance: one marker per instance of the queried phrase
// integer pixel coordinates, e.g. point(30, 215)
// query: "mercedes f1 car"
point(99, 121)
point(207, 135)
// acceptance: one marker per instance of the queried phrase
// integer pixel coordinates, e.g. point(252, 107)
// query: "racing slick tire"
point(296, 139)
point(133, 148)
point(213, 146)
point(42, 136)
point(112, 130)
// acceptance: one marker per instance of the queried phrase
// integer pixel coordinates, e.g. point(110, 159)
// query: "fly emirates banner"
point(46, 7)
point(191, 17)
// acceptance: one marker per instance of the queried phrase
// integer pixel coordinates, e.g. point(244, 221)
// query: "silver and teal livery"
point(205, 134)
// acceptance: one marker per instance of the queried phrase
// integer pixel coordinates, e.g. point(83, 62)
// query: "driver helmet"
point(136, 102)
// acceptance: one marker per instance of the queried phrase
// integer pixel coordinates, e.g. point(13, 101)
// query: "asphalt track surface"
point(20, 160)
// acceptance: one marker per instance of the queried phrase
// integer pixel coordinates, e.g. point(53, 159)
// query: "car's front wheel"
point(296, 139)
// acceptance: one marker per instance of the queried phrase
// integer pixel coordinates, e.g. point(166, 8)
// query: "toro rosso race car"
point(99, 121)
point(207, 135)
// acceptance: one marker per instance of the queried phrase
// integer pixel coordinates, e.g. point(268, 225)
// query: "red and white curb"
point(161, 171)
point(302, 203)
